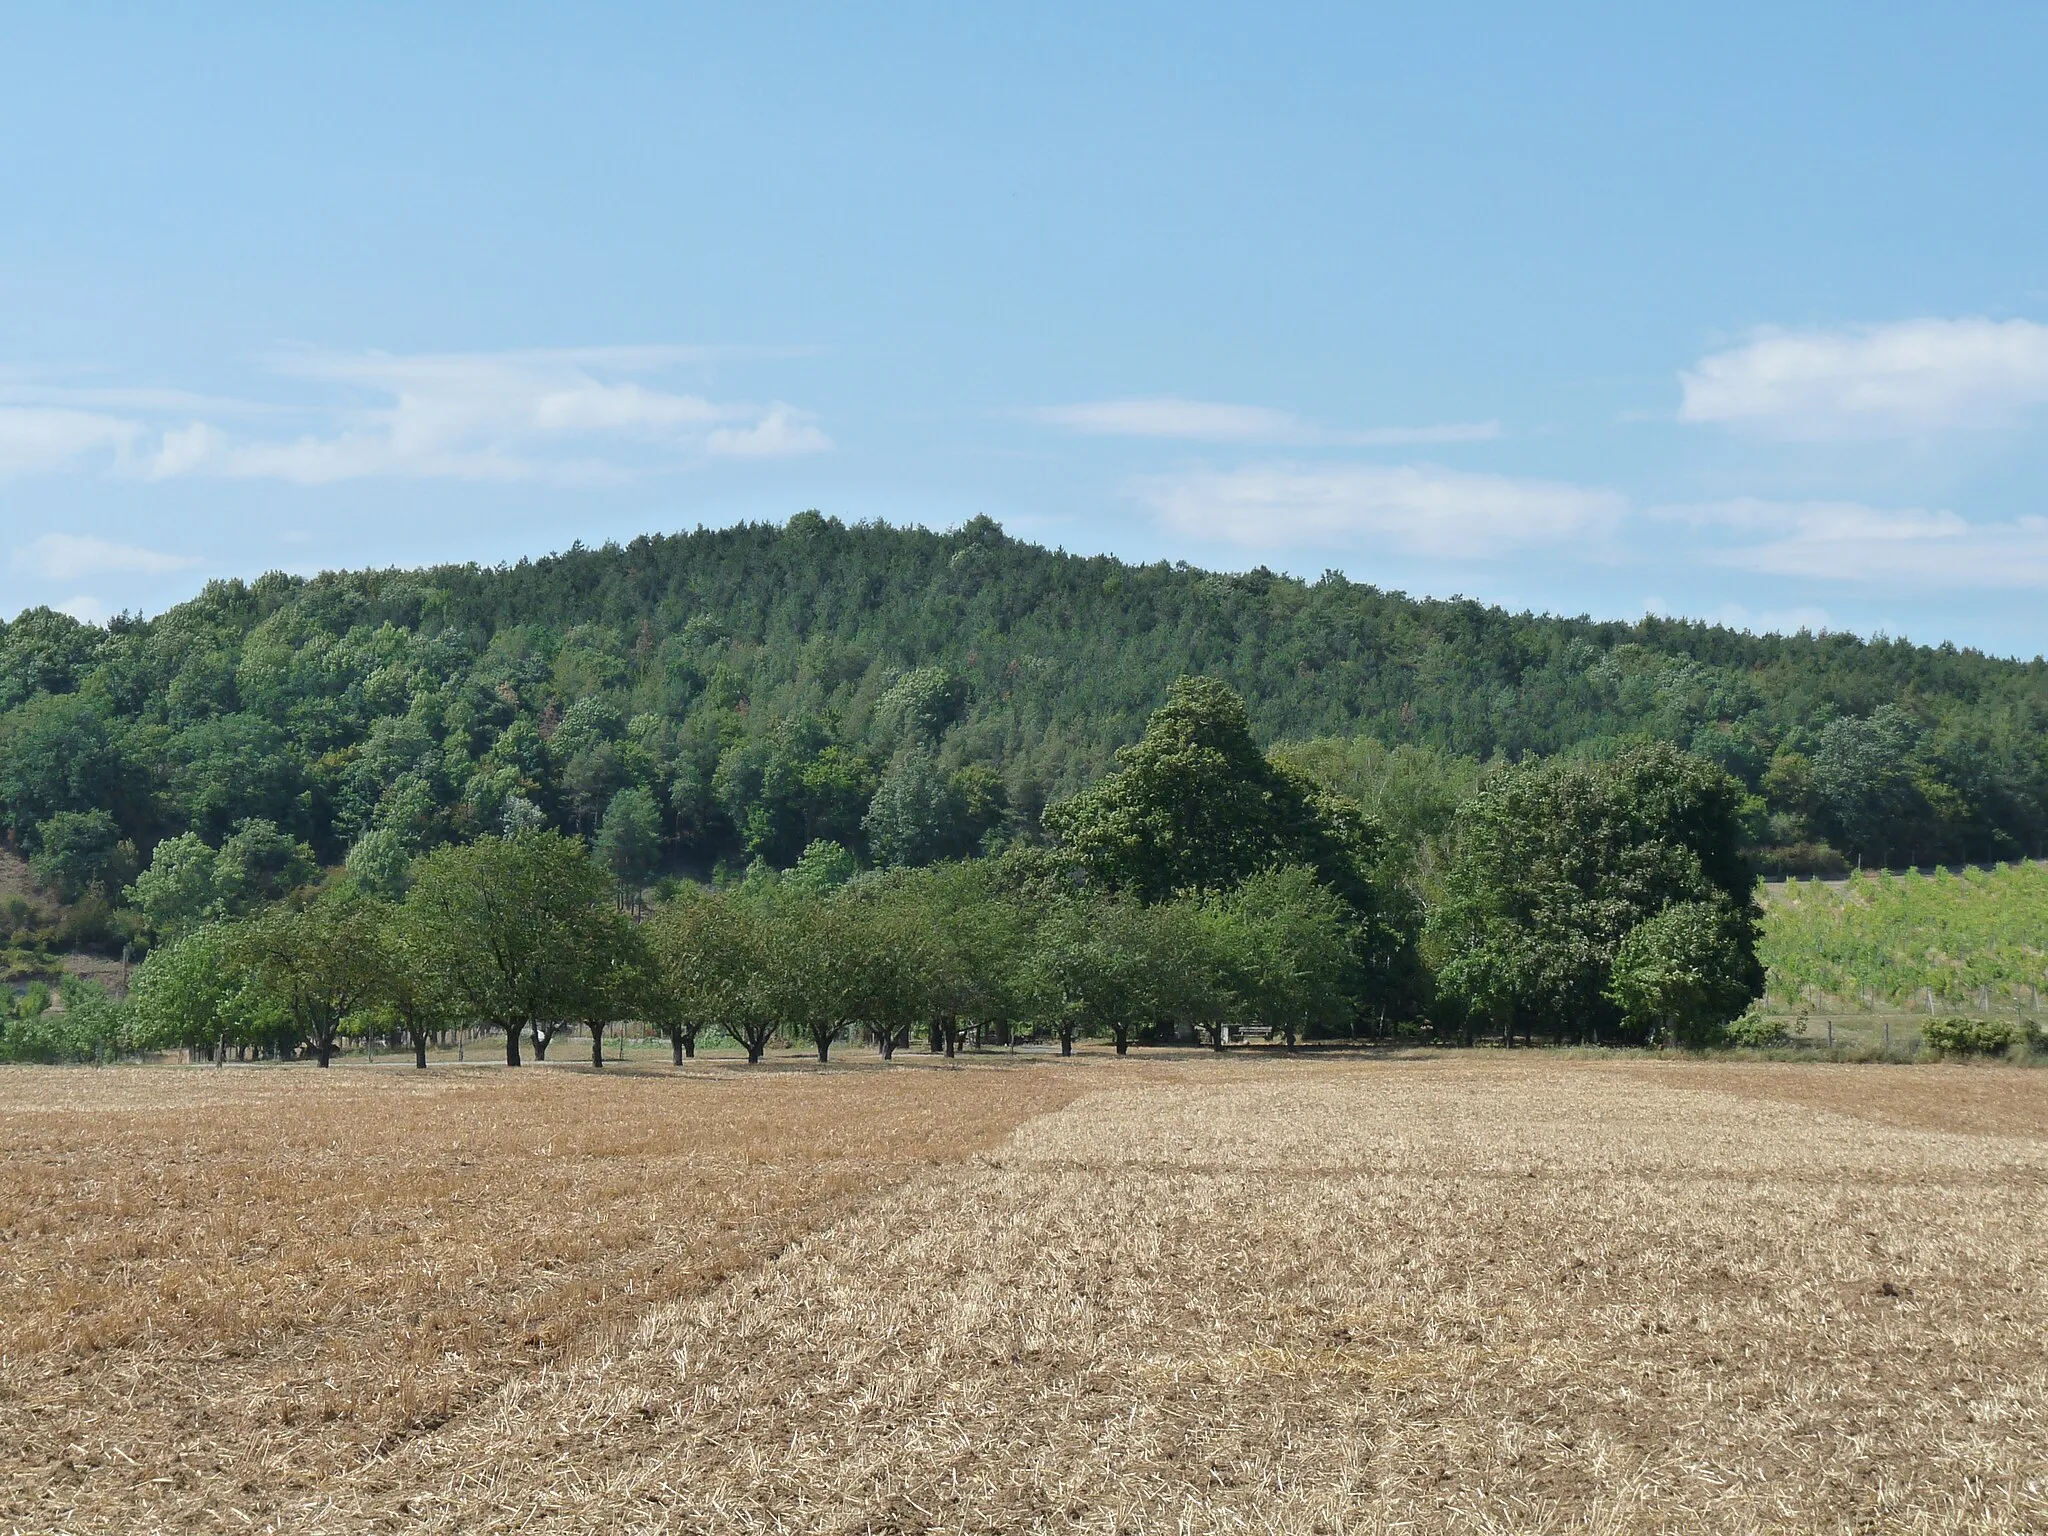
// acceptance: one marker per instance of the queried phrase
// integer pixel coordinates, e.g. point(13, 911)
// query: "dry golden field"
point(1481, 1292)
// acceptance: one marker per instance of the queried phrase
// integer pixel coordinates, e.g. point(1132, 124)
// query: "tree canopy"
point(913, 695)
point(1558, 863)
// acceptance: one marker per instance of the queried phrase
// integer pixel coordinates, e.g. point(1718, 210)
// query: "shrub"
point(1757, 1031)
point(1957, 1036)
point(90, 1026)
point(1811, 861)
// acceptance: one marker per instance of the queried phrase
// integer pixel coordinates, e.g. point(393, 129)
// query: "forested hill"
point(909, 694)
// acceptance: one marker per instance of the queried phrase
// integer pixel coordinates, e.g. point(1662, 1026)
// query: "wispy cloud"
point(1849, 542)
point(47, 439)
point(1900, 379)
point(1210, 421)
point(72, 556)
point(1418, 509)
point(567, 416)
point(1768, 621)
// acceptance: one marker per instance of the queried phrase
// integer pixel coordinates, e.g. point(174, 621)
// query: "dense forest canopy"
point(727, 695)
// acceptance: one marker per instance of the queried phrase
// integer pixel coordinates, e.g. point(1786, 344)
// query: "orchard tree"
point(199, 992)
point(1287, 958)
point(495, 923)
point(975, 944)
point(1107, 965)
point(707, 954)
point(321, 962)
point(836, 966)
point(611, 981)
point(413, 995)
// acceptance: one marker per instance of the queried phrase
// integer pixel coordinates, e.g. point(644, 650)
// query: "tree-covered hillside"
point(723, 695)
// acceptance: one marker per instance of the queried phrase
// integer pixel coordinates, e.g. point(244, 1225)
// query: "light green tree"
point(322, 963)
point(199, 992)
point(495, 922)
point(1678, 976)
point(1286, 952)
point(825, 866)
point(708, 954)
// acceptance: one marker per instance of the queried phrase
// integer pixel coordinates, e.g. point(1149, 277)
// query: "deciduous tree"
point(496, 921)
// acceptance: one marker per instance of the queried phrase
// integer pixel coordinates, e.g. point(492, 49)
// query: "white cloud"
point(69, 556)
point(1898, 379)
point(782, 431)
point(1445, 432)
point(1210, 421)
point(1200, 420)
point(87, 610)
point(571, 415)
point(1846, 541)
point(538, 415)
point(45, 439)
point(1418, 509)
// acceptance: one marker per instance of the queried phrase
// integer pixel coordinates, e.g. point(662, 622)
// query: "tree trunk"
point(597, 1045)
point(323, 1046)
point(1066, 1045)
point(754, 1048)
point(824, 1048)
point(540, 1043)
point(512, 1045)
point(675, 1042)
point(1123, 1045)
point(419, 1049)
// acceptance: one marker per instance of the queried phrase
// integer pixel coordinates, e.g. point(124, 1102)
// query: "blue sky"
point(1740, 314)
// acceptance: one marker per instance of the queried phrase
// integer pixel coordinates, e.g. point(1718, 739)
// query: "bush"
point(90, 1026)
point(1810, 861)
point(1757, 1031)
point(1957, 1036)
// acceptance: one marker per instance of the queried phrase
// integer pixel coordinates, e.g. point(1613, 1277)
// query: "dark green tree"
point(82, 849)
point(1557, 862)
point(629, 841)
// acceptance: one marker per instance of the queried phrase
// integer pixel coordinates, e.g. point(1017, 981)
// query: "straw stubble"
point(1454, 1295)
point(1481, 1293)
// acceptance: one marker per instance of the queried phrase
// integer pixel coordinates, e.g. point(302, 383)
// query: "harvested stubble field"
point(1478, 1292)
